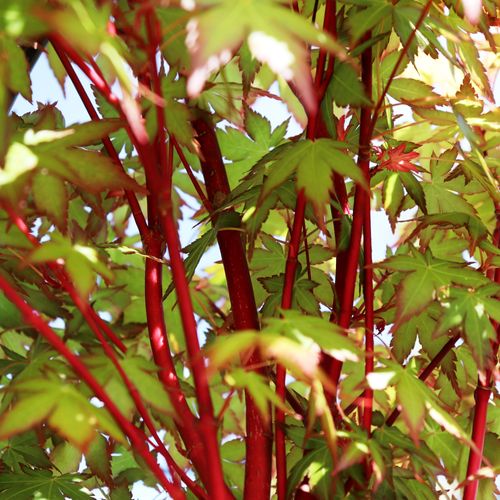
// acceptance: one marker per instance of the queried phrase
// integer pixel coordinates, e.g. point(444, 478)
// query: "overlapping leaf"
point(425, 275)
point(313, 163)
point(277, 39)
point(63, 407)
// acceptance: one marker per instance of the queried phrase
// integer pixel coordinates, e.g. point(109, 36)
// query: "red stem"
point(361, 199)
point(369, 322)
point(290, 270)
point(207, 423)
point(186, 423)
point(482, 396)
point(204, 200)
point(258, 427)
point(286, 303)
point(156, 324)
point(163, 196)
point(97, 324)
point(366, 61)
point(33, 318)
point(108, 145)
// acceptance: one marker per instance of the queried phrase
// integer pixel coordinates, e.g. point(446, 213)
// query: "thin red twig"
point(108, 145)
point(427, 371)
point(203, 198)
point(35, 320)
point(402, 54)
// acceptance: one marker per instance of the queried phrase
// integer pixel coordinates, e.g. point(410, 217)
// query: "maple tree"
point(294, 365)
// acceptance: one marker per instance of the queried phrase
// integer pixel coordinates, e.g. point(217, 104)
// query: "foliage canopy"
point(126, 358)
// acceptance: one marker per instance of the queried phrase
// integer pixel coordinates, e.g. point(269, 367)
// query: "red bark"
point(244, 309)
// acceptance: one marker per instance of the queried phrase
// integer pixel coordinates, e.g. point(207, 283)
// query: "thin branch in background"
point(108, 145)
point(203, 198)
point(426, 372)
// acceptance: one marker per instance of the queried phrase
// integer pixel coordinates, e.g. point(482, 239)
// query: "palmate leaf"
point(441, 193)
point(313, 162)
point(317, 466)
point(245, 150)
point(295, 341)
point(474, 310)
point(415, 92)
point(258, 387)
point(51, 198)
point(215, 32)
point(41, 484)
point(366, 19)
point(416, 401)
point(141, 372)
point(24, 449)
point(62, 406)
point(345, 87)
point(54, 153)
point(329, 337)
point(14, 67)
point(426, 275)
point(98, 458)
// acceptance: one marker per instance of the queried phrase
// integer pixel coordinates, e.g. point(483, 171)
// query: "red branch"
point(482, 396)
point(203, 198)
point(156, 323)
point(291, 262)
point(369, 322)
point(427, 371)
point(366, 62)
point(162, 195)
point(258, 427)
point(33, 318)
point(286, 303)
point(361, 208)
point(132, 200)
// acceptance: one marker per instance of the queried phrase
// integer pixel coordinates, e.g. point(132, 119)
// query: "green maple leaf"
point(14, 67)
point(313, 163)
point(41, 484)
point(62, 406)
point(473, 309)
point(425, 275)
point(275, 35)
point(45, 158)
point(24, 449)
point(245, 150)
point(441, 193)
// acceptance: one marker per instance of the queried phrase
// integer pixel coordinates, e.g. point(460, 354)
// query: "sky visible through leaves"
point(47, 90)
